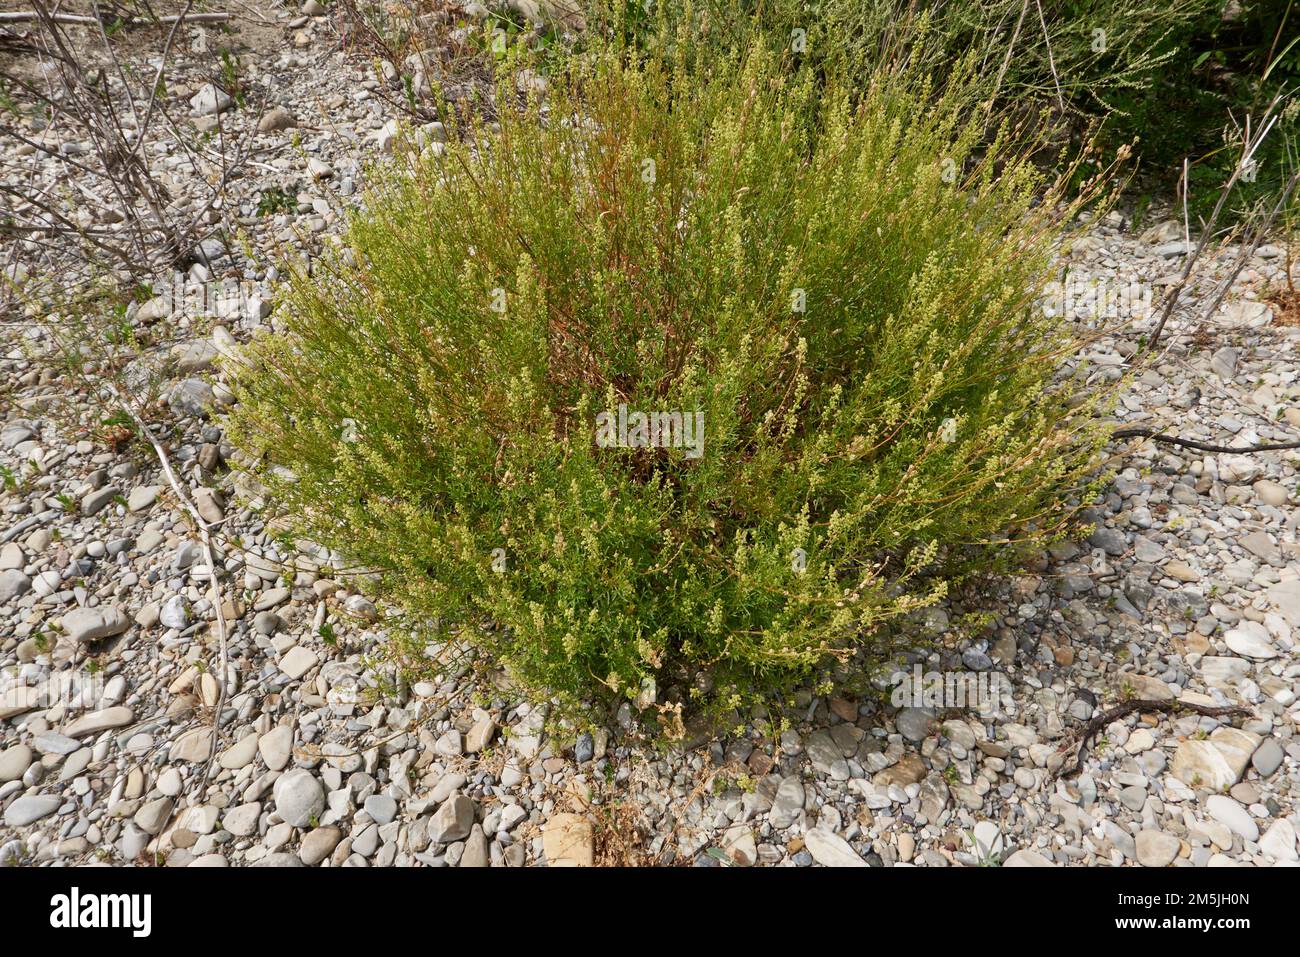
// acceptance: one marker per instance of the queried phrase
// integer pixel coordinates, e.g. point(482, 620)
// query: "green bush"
point(842, 294)
point(1177, 79)
point(1084, 54)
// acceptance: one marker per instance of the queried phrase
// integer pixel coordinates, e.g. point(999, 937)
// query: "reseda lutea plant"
point(851, 332)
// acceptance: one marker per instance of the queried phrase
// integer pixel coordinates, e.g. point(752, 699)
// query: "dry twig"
point(1143, 706)
point(205, 536)
point(1156, 435)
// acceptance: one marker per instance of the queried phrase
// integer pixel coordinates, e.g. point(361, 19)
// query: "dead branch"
point(1156, 436)
point(1143, 706)
point(205, 537)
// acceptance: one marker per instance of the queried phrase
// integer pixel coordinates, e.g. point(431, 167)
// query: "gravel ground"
point(1188, 590)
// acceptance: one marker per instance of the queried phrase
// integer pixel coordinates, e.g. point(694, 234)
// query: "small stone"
point(826, 756)
point(1279, 841)
point(476, 849)
point(185, 555)
point(170, 782)
point(1285, 597)
point(276, 747)
point(844, 709)
point(831, 850)
point(452, 821)
point(388, 136)
point(142, 497)
point(97, 721)
point(480, 735)
point(739, 845)
point(153, 816)
point(195, 356)
point(98, 500)
point(209, 505)
point(910, 769)
point(14, 762)
point(93, 624)
point(299, 797)
point(298, 661)
point(1261, 546)
point(1134, 798)
point(51, 742)
point(906, 847)
point(1140, 740)
point(241, 821)
point(276, 119)
point(1224, 363)
point(914, 723)
point(1250, 640)
point(318, 844)
point(1245, 792)
point(277, 836)
point(788, 803)
point(1223, 672)
point(1109, 540)
point(280, 860)
point(271, 598)
point(988, 840)
point(959, 733)
point(449, 744)
point(193, 746)
point(30, 808)
point(568, 840)
point(13, 584)
point(359, 606)
point(1181, 571)
point(1148, 687)
point(175, 613)
point(210, 101)
point(1270, 493)
point(1237, 746)
point(239, 755)
point(1247, 312)
point(13, 435)
point(381, 808)
point(46, 583)
point(1156, 848)
point(11, 557)
point(1268, 758)
point(1199, 764)
point(1027, 858)
point(1145, 550)
point(191, 397)
point(1232, 816)
point(209, 860)
point(209, 690)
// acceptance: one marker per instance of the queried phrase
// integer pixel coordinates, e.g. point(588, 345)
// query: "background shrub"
point(435, 390)
point(1177, 79)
